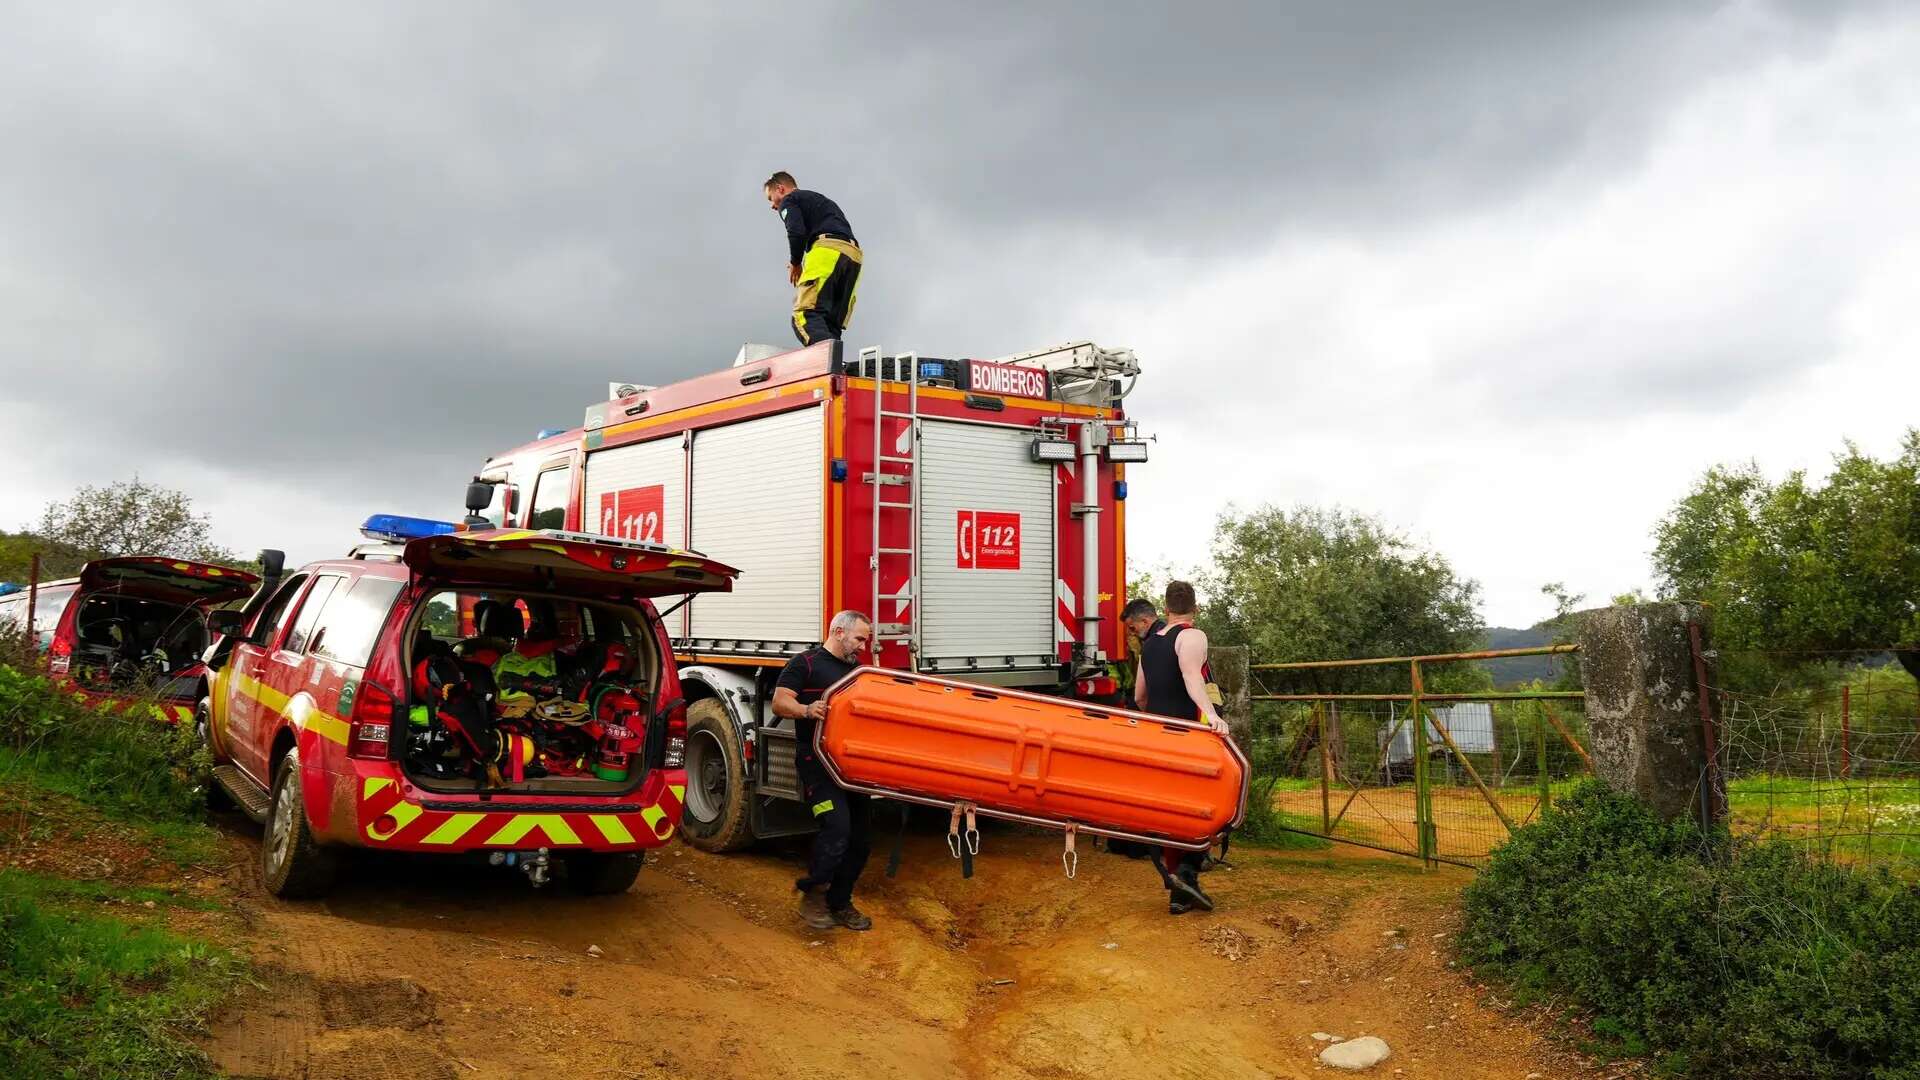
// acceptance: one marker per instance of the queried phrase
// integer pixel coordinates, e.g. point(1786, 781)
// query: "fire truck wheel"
point(602, 874)
point(716, 813)
point(217, 798)
point(292, 863)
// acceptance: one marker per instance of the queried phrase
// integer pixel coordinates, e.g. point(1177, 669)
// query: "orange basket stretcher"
point(1032, 758)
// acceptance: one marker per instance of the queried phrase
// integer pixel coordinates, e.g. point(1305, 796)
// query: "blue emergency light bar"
point(399, 529)
point(548, 433)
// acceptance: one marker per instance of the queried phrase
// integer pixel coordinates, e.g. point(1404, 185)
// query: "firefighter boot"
point(813, 909)
point(851, 918)
point(1187, 891)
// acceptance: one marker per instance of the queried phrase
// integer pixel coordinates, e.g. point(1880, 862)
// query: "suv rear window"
point(353, 618)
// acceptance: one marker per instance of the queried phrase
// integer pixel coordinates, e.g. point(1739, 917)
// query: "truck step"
point(251, 797)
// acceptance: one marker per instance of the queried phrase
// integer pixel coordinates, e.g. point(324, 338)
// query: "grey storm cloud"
point(394, 238)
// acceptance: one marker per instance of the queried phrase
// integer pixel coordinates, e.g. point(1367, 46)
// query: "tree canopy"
point(131, 517)
point(1798, 565)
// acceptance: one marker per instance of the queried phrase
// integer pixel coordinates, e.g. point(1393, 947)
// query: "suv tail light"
point(677, 737)
point(60, 654)
point(371, 726)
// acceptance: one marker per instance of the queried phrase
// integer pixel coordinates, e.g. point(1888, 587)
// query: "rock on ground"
point(1362, 1053)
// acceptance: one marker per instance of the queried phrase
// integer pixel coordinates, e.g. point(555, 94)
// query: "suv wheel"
point(716, 816)
point(293, 864)
point(603, 874)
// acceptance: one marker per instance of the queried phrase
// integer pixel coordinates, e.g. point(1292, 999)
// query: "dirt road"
point(414, 968)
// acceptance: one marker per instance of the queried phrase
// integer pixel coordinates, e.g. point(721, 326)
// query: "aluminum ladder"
point(887, 626)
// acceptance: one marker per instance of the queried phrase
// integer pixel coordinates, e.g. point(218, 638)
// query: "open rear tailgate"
point(563, 561)
point(179, 581)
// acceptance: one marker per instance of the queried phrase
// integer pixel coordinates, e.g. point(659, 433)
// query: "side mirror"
point(228, 623)
point(272, 562)
point(479, 495)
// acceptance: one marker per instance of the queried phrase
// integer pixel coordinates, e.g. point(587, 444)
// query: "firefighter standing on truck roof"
point(840, 847)
point(1172, 681)
point(823, 259)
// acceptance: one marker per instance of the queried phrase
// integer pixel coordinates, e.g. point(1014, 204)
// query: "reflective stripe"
point(553, 825)
point(403, 815)
point(822, 807)
point(329, 727)
point(611, 828)
point(452, 829)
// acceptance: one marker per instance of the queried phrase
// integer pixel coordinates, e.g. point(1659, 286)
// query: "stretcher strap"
point(964, 850)
point(1071, 858)
point(899, 841)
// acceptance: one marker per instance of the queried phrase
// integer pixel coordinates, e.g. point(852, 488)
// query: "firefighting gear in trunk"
point(829, 285)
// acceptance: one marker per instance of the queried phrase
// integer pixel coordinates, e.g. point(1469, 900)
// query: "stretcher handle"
point(1070, 859)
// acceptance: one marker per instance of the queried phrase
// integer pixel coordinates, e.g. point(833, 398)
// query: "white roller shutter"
point(985, 595)
point(758, 505)
point(638, 492)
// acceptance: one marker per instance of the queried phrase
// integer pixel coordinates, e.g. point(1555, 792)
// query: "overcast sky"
point(1507, 275)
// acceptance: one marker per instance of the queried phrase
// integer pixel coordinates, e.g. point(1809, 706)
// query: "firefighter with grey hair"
point(841, 846)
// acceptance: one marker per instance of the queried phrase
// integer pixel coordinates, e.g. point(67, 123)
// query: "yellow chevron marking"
point(611, 828)
point(374, 785)
point(653, 815)
point(679, 793)
point(516, 829)
point(453, 829)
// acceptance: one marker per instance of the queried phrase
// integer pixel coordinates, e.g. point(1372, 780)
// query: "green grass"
point(87, 996)
point(61, 892)
point(1794, 791)
point(179, 838)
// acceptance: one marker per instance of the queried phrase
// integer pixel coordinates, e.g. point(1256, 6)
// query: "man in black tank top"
point(1172, 681)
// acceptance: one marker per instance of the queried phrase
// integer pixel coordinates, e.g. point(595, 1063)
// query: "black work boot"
point(851, 918)
point(1186, 889)
point(813, 910)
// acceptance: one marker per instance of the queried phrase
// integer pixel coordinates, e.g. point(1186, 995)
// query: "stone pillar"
point(1231, 675)
point(1643, 704)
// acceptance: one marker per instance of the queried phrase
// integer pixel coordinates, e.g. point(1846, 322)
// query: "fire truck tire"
point(593, 873)
point(716, 817)
point(292, 863)
point(217, 798)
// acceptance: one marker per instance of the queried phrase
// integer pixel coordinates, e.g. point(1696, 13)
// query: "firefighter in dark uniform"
point(840, 847)
point(1172, 682)
point(823, 259)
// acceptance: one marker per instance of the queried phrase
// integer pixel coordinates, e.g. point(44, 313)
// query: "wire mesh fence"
point(1832, 763)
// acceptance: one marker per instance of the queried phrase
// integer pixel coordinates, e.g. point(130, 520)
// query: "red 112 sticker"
point(987, 540)
point(635, 514)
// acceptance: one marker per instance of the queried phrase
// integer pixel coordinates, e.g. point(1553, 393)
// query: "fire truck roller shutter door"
point(758, 504)
point(639, 492)
point(986, 542)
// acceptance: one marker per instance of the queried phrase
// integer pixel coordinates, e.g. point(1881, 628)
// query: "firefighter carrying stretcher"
point(823, 259)
point(1172, 681)
point(841, 846)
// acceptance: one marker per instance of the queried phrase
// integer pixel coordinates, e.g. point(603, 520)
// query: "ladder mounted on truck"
point(1082, 372)
point(887, 628)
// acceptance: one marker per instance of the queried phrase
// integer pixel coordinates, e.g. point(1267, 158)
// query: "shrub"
point(1728, 959)
point(117, 758)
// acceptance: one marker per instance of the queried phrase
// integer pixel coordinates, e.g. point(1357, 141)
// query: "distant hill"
point(1520, 669)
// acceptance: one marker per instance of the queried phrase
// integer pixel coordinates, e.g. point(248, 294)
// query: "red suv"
point(129, 630)
point(510, 692)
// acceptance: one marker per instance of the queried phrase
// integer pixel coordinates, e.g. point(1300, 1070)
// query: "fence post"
point(1326, 769)
point(1422, 809)
point(1846, 731)
point(1649, 708)
point(33, 600)
point(1540, 756)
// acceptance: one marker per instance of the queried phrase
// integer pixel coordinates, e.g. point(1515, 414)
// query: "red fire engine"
point(975, 508)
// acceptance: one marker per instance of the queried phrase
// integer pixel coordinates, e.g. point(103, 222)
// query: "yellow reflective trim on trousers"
point(452, 829)
point(403, 815)
point(825, 806)
point(611, 828)
point(553, 825)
